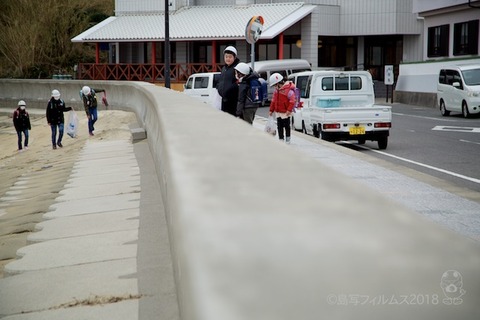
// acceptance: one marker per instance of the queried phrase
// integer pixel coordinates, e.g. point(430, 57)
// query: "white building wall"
point(363, 17)
point(309, 50)
point(412, 48)
point(327, 20)
point(406, 21)
point(131, 6)
point(427, 5)
point(377, 17)
point(449, 18)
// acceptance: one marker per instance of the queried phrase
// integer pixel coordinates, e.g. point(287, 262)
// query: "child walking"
point(282, 104)
point(21, 122)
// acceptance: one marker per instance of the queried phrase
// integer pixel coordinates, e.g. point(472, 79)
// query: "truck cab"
point(203, 86)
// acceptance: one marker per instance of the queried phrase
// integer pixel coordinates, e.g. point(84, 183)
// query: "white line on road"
point(457, 129)
point(466, 141)
point(423, 117)
point(461, 176)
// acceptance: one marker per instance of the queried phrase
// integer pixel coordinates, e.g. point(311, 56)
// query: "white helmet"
point(21, 103)
point(230, 49)
point(55, 94)
point(243, 68)
point(86, 90)
point(274, 79)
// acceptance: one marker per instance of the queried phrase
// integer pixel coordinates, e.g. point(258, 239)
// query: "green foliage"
point(35, 41)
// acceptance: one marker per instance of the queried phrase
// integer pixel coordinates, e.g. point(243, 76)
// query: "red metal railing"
point(142, 72)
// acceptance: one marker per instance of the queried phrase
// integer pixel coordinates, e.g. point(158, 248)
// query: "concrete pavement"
point(103, 251)
point(89, 259)
point(428, 199)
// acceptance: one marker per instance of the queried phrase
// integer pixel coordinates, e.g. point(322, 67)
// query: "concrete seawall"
point(259, 231)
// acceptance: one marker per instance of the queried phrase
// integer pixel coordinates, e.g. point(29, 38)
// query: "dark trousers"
point(281, 125)
point(54, 133)
point(93, 118)
point(19, 134)
point(249, 114)
point(230, 107)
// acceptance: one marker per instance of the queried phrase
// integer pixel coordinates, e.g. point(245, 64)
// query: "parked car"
point(203, 86)
point(285, 67)
point(458, 90)
point(339, 105)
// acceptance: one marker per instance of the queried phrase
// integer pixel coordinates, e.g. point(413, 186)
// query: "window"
point(454, 76)
point(465, 39)
point(472, 77)
point(327, 84)
point(438, 41)
point(201, 82)
point(303, 83)
point(442, 77)
point(189, 83)
point(337, 52)
point(355, 83)
point(342, 83)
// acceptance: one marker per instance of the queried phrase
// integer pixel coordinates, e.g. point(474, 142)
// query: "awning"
point(197, 23)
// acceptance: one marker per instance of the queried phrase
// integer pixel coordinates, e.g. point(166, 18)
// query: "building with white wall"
point(451, 36)
point(349, 34)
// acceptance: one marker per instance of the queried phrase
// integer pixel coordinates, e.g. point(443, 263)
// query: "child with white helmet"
point(227, 83)
point(55, 109)
point(21, 122)
point(282, 104)
point(246, 107)
point(90, 104)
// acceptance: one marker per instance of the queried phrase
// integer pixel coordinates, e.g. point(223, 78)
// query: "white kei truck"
point(340, 105)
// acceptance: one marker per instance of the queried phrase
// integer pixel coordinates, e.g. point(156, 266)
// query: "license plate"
point(357, 130)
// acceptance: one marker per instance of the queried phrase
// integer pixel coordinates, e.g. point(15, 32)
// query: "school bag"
point(258, 91)
point(298, 103)
point(93, 98)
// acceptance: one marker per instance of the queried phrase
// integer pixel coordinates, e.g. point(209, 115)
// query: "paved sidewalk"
point(447, 209)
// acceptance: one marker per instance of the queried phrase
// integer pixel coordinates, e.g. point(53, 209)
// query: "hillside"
point(35, 41)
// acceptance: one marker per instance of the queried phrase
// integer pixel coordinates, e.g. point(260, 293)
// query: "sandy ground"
point(31, 180)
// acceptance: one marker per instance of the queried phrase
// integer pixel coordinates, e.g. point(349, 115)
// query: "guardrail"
point(179, 72)
point(259, 231)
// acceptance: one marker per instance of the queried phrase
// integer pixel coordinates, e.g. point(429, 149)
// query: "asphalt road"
point(421, 139)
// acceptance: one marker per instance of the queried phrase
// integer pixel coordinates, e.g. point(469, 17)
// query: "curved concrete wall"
point(259, 231)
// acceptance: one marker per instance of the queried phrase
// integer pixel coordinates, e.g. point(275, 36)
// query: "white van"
point(458, 90)
point(203, 86)
point(285, 67)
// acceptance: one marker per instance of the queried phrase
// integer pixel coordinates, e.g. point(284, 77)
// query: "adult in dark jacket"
point(21, 122)
point(227, 84)
point(90, 103)
point(55, 109)
point(246, 108)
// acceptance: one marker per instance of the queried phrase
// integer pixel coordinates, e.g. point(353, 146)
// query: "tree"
point(35, 41)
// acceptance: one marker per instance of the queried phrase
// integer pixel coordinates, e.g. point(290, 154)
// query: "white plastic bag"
point(270, 126)
point(72, 126)
point(216, 100)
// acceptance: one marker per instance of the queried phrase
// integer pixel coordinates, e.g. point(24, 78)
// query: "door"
point(456, 95)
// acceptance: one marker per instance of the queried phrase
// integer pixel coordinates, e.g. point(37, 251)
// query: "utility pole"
point(167, 46)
